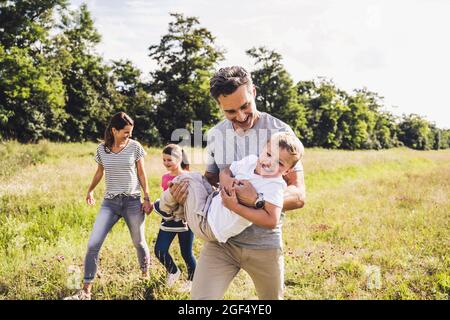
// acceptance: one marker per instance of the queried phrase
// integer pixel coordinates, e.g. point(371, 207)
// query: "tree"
point(415, 132)
point(90, 90)
point(439, 138)
point(276, 93)
point(32, 95)
point(324, 105)
point(386, 130)
point(25, 23)
point(360, 118)
point(134, 100)
point(186, 57)
point(445, 139)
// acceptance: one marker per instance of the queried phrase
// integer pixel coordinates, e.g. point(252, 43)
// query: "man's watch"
point(259, 203)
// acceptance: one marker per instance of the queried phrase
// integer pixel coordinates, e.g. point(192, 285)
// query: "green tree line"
point(55, 86)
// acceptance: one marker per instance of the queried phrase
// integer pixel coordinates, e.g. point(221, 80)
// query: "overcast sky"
point(400, 49)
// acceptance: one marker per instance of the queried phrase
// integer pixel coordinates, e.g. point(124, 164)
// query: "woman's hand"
point(90, 198)
point(230, 201)
point(147, 207)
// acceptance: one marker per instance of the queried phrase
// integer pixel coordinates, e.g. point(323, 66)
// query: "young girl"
point(175, 161)
point(122, 161)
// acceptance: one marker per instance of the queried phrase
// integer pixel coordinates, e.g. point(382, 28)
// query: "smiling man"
point(239, 107)
point(258, 249)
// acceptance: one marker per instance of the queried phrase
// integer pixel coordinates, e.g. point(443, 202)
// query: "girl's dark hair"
point(227, 80)
point(176, 151)
point(118, 122)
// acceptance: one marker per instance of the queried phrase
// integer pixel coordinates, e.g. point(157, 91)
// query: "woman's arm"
point(95, 180)
point(267, 217)
point(147, 206)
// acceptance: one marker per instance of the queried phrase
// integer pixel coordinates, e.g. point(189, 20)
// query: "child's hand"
point(147, 207)
point(227, 183)
point(230, 201)
point(90, 198)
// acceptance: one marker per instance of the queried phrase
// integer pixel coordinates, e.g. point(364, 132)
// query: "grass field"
point(375, 226)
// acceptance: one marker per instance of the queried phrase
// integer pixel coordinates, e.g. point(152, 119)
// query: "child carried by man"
point(218, 215)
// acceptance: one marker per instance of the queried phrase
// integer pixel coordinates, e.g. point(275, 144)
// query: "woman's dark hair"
point(118, 121)
point(227, 80)
point(176, 151)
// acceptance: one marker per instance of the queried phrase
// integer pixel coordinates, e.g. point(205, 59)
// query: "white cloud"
point(396, 48)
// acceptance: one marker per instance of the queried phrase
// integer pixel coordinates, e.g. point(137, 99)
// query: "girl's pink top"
point(166, 178)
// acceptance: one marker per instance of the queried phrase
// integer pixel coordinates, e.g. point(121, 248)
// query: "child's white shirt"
point(223, 222)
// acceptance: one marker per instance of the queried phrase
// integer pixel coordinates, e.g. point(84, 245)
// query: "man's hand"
point(179, 191)
point(245, 193)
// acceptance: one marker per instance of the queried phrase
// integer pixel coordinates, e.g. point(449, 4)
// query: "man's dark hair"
point(227, 80)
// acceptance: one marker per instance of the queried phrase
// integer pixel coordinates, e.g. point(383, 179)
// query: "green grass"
point(375, 226)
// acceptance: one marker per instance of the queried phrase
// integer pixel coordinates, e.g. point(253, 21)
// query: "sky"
point(399, 49)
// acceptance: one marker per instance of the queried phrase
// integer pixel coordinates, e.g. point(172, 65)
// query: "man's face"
point(239, 107)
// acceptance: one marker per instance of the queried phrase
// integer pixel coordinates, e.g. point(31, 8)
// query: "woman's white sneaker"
point(80, 295)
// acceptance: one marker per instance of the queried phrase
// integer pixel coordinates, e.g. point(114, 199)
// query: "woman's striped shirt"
point(121, 169)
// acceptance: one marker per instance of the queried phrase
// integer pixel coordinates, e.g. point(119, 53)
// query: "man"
point(257, 250)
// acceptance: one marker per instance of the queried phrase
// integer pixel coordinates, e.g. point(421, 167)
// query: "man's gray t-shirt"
point(226, 146)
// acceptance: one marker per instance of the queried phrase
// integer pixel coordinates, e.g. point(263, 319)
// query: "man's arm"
point(295, 193)
point(267, 217)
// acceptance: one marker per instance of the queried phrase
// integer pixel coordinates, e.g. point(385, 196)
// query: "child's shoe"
point(172, 278)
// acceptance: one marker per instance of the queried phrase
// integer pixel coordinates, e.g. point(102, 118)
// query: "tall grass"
point(375, 226)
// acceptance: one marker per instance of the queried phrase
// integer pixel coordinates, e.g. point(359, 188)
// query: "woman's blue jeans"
point(111, 211)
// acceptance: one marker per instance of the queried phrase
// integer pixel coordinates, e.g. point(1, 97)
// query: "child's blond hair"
point(290, 143)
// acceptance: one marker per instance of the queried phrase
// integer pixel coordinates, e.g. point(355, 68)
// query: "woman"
point(122, 161)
